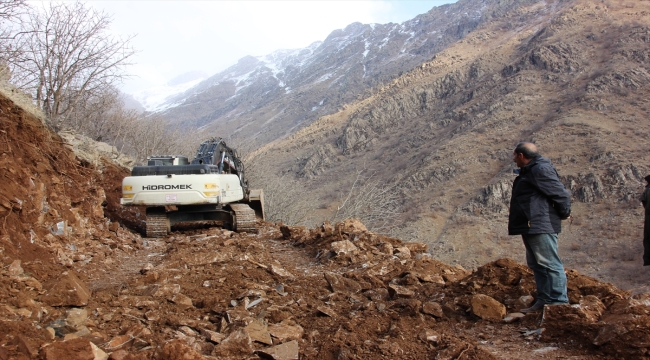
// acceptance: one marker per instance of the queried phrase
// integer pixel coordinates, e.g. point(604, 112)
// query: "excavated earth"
point(78, 281)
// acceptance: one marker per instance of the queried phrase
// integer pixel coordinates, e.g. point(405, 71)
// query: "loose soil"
point(76, 272)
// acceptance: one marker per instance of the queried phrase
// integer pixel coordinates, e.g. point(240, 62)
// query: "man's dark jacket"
point(539, 200)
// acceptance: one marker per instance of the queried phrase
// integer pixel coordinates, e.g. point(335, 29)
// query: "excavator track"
point(244, 218)
point(157, 225)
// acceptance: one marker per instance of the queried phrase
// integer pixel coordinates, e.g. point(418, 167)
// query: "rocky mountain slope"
point(261, 99)
point(571, 76)
point(77, 282)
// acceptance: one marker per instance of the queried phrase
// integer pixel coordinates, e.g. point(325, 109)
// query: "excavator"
point(212, 187)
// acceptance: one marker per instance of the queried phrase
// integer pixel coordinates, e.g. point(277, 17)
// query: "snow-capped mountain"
point(157, 98)
point(291, 88)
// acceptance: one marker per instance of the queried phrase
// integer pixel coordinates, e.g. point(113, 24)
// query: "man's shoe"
point(537, 307)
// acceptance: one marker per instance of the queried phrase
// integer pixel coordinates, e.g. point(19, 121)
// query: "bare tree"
point(10, 9)
point(285, 200)
point(67, 59)
point(10, 12)
point(105, 118)
point(371, 201)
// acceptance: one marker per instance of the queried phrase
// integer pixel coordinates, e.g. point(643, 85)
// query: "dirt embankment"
point(77, 282)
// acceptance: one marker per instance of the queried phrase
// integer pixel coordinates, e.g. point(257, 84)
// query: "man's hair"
point(526, 149)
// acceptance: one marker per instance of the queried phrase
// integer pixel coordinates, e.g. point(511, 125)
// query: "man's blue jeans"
point(543, 259)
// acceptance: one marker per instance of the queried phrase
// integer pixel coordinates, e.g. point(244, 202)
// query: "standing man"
point(645, 200)
point(539, 202)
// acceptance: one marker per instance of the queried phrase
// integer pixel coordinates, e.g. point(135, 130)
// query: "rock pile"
point(76, 282)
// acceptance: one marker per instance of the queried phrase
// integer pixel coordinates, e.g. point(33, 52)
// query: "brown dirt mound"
point(92, 285)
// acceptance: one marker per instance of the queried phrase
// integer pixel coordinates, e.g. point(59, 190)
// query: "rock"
point(610, 332)
point(326, 311)
point(151, 277)
point(15, 269)
point(341, 284)
point(280, 290)
point(295, 233)
point(98, 353)
point(118, 343)
point(344, 247)
point(187, 331)
point(587, 312)
point(76, 318)
point(206, 258)
point(409, 279)
point(75, 349)
point(70, 337)
point(327, 229)
point(397, 291)
point(350, 226)
point(178, 349)
point(403, 252)
point(380, 294)
point(416, 247)
point(4, 354)
point(66, 290)
point(512, 317)
point(284, 332)
point(212, 336)
point(279, 271)
point(386, 248)
point(433, 308)
point(114, 226)
point(593, 307)
point(237, 344)
point(148, 267)
point(118, 355)
point(545, 350)
point(253, 303)
point(82, 332)
point(152, 316)
point(166, 290)
point(31, 282)
point(286, 351)
point(22, 312)
point(409, 307)
point(26, 346)
point(487, 308)
point(286, 232)
point(523, 302)
point(431, 336)
point(257, 331)
point(139, 344)
point(180, 299)
point(431, 278)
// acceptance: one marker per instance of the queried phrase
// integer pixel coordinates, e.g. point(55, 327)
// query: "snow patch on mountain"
point(156, 98)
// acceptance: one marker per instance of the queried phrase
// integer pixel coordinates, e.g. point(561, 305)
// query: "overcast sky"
point(175, 37)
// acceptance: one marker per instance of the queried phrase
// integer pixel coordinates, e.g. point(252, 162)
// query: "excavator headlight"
point(128, 196)
point(210, 193)
point(127, 188)
point(210, 186)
